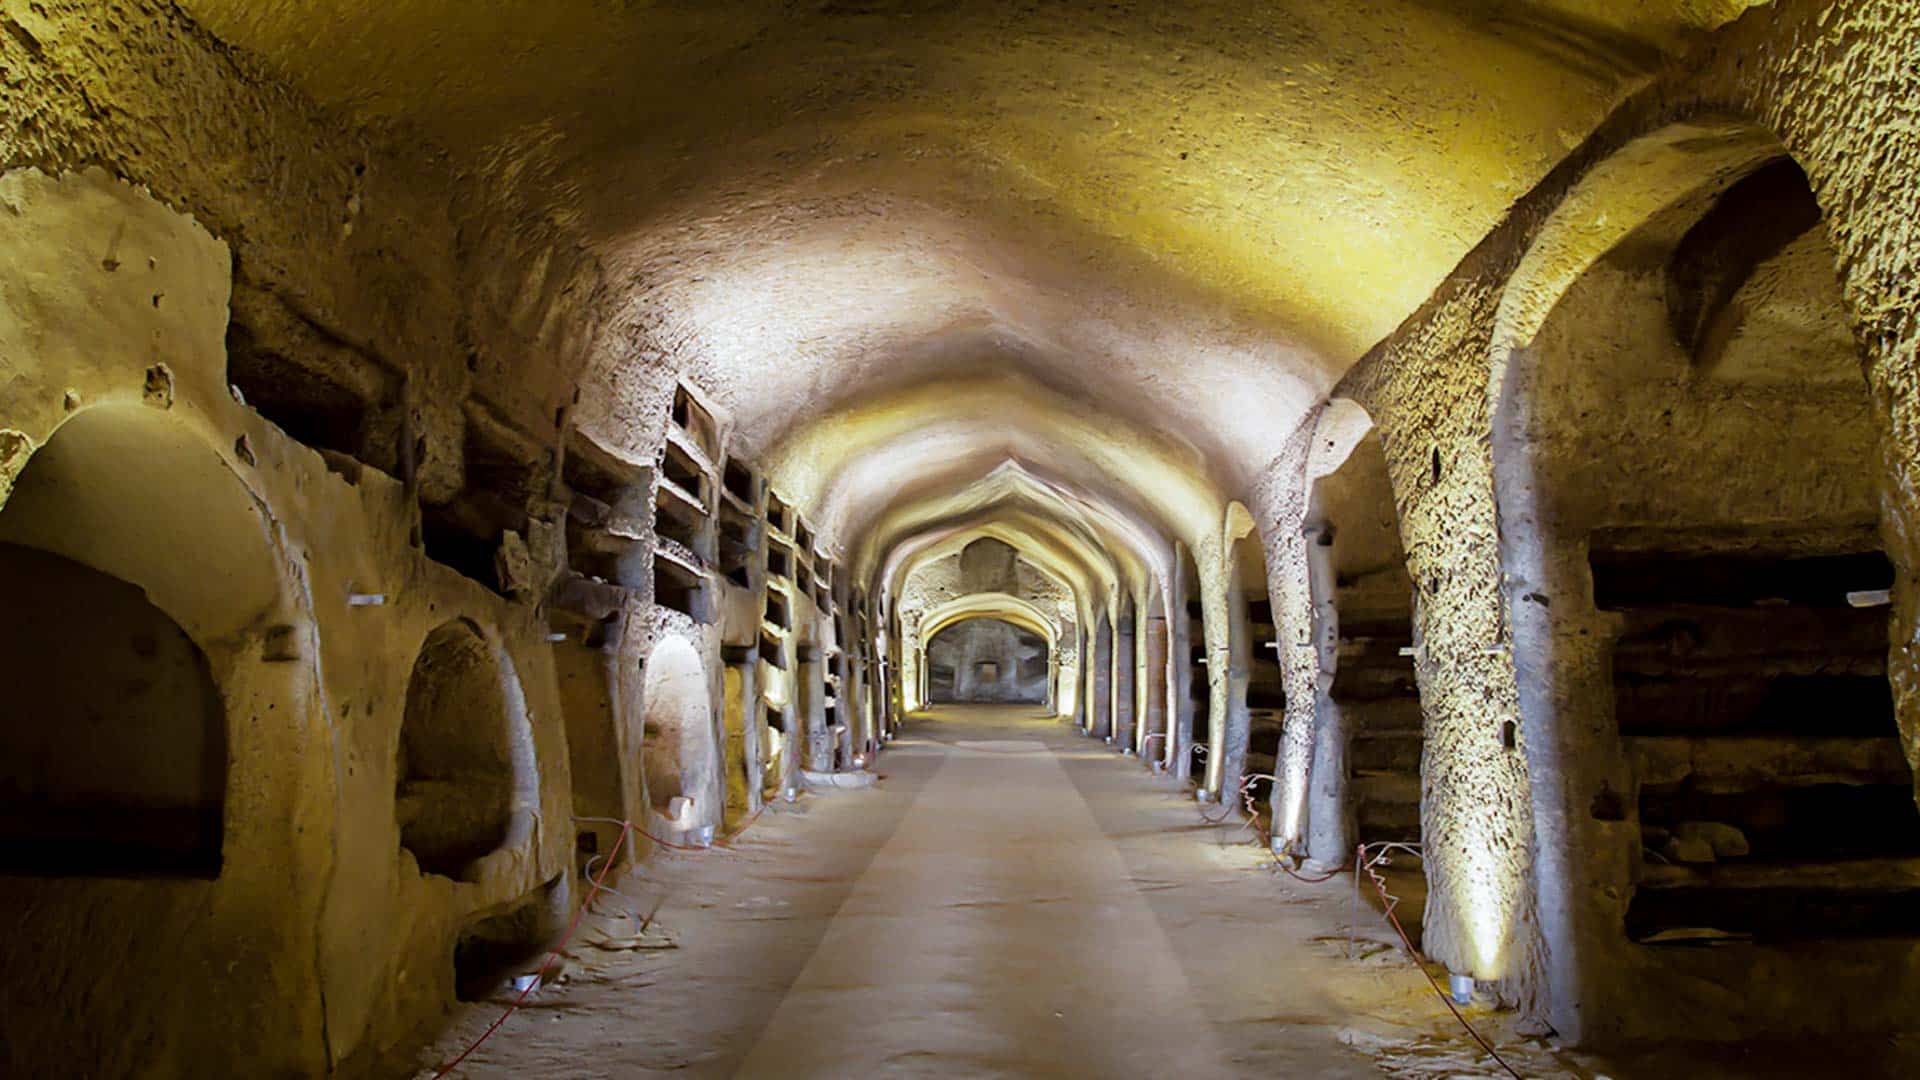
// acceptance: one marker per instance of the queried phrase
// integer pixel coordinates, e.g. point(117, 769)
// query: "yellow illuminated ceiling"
point(1180, 221)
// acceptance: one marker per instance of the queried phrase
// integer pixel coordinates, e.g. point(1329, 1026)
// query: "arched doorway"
point(987, 661)
point(114, 761)
point(465, 760)
point(1684, 439)
point(681, 755)
point(141, 588)
point(1257, 700)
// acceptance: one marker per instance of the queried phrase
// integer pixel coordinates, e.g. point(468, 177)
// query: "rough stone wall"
point(1687, 457)
point(320, 943)
point(350, 246)
point(1834, 84)
point(961, 649)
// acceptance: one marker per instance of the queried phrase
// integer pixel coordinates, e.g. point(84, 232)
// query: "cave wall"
point(1504, 795)
point(314, 890)
point(360, 261)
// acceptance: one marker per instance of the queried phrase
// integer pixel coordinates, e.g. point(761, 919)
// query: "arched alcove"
point(114, 759)
point(1684, 426)
point(465, 761)
point(681, 758)
point(987, 661)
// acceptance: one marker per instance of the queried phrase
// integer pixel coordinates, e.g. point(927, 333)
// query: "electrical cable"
point(1388, 902)
point(545, 965)
point(598, 886)
point(1413, 954)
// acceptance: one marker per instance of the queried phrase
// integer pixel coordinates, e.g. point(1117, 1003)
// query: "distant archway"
point(984, 660)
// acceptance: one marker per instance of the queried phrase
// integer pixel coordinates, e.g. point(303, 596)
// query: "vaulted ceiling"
point(904, 242)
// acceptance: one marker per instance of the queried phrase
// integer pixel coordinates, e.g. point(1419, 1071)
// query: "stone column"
point(1180, 641)
point(1236, 723)
point(742, 757)
point(811, 687)
point(1100, 708)
point(1330, 824)
point(1152, 748)
point(1124, 661)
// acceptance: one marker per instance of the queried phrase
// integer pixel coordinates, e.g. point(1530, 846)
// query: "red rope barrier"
point(598, 886)
point(545, 965)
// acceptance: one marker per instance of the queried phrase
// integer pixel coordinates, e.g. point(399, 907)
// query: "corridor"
point(1009, 901)
point(982, 522)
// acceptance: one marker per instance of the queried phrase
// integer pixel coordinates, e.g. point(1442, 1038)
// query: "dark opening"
point(677, 467)
point(114, 761)
point(676, 520)
point(1375, 685)
point(304, 403)
point(498, 485)
point(1757, 676)
point(777, 611)
point(454, 791)
point(681, 589)
point(493, 949)
point(740, 480)
point(739, 542)
point(770, 650)
point(693, 418)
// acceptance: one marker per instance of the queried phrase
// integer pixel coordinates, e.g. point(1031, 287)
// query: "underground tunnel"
point(888, 538)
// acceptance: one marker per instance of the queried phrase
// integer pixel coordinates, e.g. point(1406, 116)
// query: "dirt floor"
point(1012, 899)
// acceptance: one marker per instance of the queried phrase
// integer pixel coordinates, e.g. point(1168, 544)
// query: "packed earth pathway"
point(1010, 900)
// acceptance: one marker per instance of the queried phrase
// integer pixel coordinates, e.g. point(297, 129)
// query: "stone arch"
point(118, 642)
point(465, 779)
point(681, 755)
point(989, 659)
point(1368, 745)
point(1005, 606)
point(134, 544)
point(1680, 417)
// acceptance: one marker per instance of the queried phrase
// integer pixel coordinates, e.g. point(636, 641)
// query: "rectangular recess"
point(681, 588)
point(770, 650)
point(679, 521)
point(680, 469)
point(692, 417)
point(741, 481)
point(779, 614)
point(779, 558)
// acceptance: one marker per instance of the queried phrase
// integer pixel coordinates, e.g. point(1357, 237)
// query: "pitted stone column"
point(1330, 823)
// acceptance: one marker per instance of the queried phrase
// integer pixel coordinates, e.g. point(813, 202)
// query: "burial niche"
point(114, 755)
point(465, 755)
